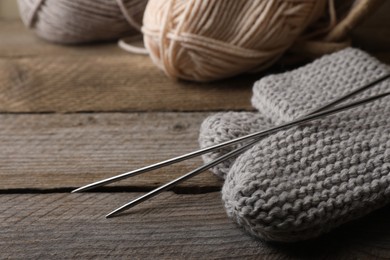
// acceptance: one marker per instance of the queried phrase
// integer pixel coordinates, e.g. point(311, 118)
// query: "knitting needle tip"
point(96, 184)
point(85, 188)
point(111, 214)
point(120, 209)
point(76, 190)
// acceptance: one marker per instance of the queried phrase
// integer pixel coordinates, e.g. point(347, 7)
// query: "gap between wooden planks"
point(57, 151)
point(168, 227)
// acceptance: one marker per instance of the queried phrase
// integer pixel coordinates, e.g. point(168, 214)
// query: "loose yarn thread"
point(82, 21)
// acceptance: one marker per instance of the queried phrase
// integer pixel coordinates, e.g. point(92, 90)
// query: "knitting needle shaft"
point(350, 94)
point(215, 147)
point(239, 150)
point(181, 179)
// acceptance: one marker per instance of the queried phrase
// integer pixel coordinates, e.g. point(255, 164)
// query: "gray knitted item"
point(302, 182)
point(223, 127)
point(299, 183)
point(283, 97)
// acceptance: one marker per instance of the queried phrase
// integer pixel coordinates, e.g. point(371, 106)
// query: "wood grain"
point(51, 151)
point(112, 83)
point(36, 76)
point(171, 226)
point(17, 41)
point(109, 83)
point(44, 152)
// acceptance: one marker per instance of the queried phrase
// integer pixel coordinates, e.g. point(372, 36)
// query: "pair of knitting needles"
point(320, 112)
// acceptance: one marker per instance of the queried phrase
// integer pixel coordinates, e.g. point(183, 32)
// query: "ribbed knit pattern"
point(302, 182)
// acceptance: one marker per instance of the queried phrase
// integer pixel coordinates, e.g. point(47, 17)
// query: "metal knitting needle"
point(215, 147)
point(351, 94)
point(182, 178)
point(241, 149)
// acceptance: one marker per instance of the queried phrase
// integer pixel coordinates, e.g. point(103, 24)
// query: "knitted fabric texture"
point(283, 97)
point(302, 182)
point(223, 127)
point(286, 96)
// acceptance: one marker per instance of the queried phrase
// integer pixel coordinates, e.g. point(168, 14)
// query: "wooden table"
point(73, 115)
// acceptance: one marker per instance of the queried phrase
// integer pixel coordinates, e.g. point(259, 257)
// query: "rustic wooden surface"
point(47, 226)
point(68, 150)
point(70, 115)
point(36, 76)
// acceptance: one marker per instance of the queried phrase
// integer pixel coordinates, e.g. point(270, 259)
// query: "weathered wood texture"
point(16, 41)
point(171, 226)
point(36, 76)
point(62, 151)
point(111, 83)
point(49, 151)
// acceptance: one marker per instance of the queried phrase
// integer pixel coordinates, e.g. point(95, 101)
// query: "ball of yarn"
point(82, 21)
point(205, 40)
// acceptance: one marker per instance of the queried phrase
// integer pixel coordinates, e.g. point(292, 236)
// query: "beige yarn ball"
point(206, 40)
point(82, 21)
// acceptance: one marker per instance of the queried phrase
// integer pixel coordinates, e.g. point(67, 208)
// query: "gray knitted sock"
point(283, 97)
point(302, 182)
point(223, 127)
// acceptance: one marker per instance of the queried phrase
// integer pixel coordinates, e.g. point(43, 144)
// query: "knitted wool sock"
point(223, 127)
point(283, 97)
point(302, 182)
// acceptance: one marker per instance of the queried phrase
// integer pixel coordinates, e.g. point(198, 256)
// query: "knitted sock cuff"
point(283, 97)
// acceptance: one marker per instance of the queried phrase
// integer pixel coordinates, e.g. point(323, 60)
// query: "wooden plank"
point(8, 9)
point(113, 83)
point(51, 151)
point(110, 83)
point(43, 226)
point(37, 76)
point(18, 41)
